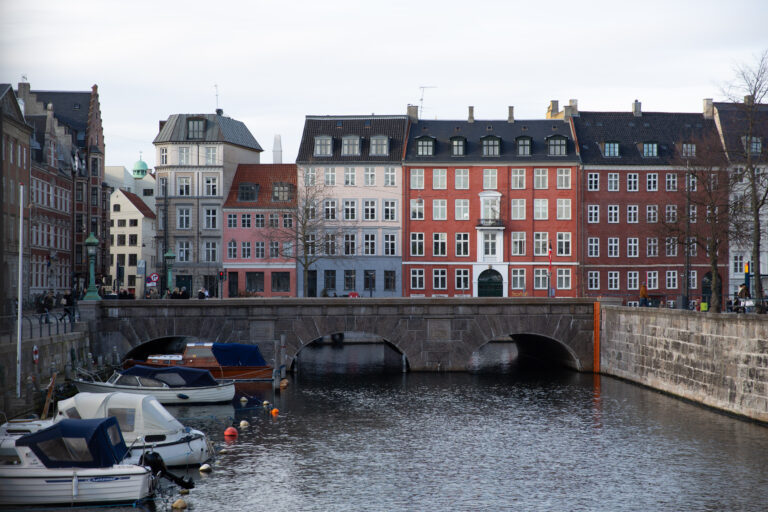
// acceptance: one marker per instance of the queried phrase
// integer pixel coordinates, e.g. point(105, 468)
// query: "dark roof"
point(630, 131)
point(9, 104)
point(393, 127)
point(263, 175)
point(218, 128)
point(733, 124)
point(139, 204)
point(69, 107)
point(539, 131)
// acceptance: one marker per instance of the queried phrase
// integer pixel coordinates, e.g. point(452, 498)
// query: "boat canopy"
point(95, 443)
point(138, 415)
point(238, 354)
point(174, 376)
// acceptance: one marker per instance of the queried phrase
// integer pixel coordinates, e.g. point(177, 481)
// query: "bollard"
point(115, 356)
point(89, 362)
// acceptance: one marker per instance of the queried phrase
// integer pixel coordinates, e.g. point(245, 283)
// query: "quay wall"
point(719, 360)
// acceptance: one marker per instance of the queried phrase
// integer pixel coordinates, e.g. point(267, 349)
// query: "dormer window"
point(379, 145)
point(523, 146)
point(689, 150)
point(195, 128)
point(650, 149)
point(611, 149)
point(281, 192)
point(491, 146)
point(323, 145)
point(350, 145)
point(425, 146)
point(557, 146)
point(754, 146)
point(458, 146)
point(247, 192)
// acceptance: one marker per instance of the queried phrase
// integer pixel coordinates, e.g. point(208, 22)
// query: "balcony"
point(490, 223)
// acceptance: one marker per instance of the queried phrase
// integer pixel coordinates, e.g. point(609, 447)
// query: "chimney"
point(709, 110)
point(574, 107)
point(23, 90)
point(554, 108)
point(161, 124)
point(511, 114)
point(749, 100)
point(471, 116)
point(636, 109)
point(277, 151)
point(567, 112)
point(219, 112)
point(413, 113)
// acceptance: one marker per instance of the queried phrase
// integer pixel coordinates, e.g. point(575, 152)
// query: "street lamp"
point(169, 258)
point(91, 245)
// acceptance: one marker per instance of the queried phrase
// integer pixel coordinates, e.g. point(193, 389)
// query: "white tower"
point(277, 151)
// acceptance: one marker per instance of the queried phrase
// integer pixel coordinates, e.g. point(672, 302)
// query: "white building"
point(132, 239)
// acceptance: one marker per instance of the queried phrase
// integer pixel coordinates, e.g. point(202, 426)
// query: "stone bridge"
point(432, 333)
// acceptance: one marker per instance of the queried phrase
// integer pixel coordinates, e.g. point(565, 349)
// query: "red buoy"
point(230, 432)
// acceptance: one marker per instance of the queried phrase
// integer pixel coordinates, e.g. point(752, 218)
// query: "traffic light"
point(746, 268)
point(221, 275)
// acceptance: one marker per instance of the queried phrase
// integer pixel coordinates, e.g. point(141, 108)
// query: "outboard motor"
point(156, 464)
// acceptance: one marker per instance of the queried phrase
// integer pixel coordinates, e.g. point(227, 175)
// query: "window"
point(652, 247)
point(563, 279)
point(462, 244)
point(281, 192)
point(490, 208)
point(258, 220)
point(163, 156)
point(540, 279)
point(389, 177)
point(369, 209)
point(540, 207)
point(652, 182)
point(390, 209)
point(633, 247)
point(462, 278)
point(245, 250)
point(369, 177)
point(754, 146)
point(540, 179)
point(632, 214)
point(593, 182)
point(115, 207)
point(329, 209)
point(258, 250)
point(310, 177)
point(439, 209)
point(121, 259)
point(245, 220)
point(182, 218)
point(458, 145)
point(593, 213)
point(439, 179)
point(611, 149)
point(330, 177)
point(613, 214)
point(210, 218)
point(349, 176)
point(517, 179)
point(417, 244)
point(671, 281)
point(692, 246)
point(390, 244)
point(439, 244)
point(231, 249)
point(489, 244)
point(247, 191)
point(692, 181)
point(350, 244)
point(287, 220)
point(254, 281)
point(390, 280)
point(120, 239)
point(183, 252)
point(738, 263)
point(692, 213)
point(564, 179)
point(349, 279)
point(417, 179)
point(369, 280)
point(461, 207)
point(563, 209)
point(632, 182)
point(184, 187)
point(133, 222)
point(369, 244)
point(613, 280)
point(651, 213)
point(489, 179)
point(540, 243)
point(593, 280)
point(671, 182)
point(350, 209)
point(133, 240)
point(274, 249)
point(613, 182)
point(557, 146)
point(417, 209)
point(689, 150)
point(650, 149)
point(671, 213)
point(491, 146)
point(210, 156)
point(211, 252)
point(671, 246)
point(524, 146)
point(425, 147)
point(195, 128)
point(633, 280)
point(183, 155)
point(692, 280)
point(613, 247)
point(652, 278)
point(329, 280)
point(330, 244)
point(417, 278)
point(274, 220)
point(281, 281)
point(518, 243)
point(517, 209)
point(517, 279)
point(563, 244)
point(379, 145)
point(323, 146)
point(439, 279)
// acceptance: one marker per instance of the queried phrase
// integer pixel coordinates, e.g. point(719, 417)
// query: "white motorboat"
point(173, 385)
point(72, 462)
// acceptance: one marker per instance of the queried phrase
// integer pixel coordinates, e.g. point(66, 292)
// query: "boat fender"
point(265, 404)
point(230, 432)
point(182, 396)
point(275, 411)
point(283, 383)
point(157, 466)
point(206, 468)
point(179, 504)
point(243, 399)
point(244, 424)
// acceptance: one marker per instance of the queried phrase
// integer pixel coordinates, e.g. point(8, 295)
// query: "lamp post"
point(91, 245)
point(687, 276)
point(169, 258)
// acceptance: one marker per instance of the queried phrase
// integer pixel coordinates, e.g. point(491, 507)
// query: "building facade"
point(196, 158)
point(132, 240)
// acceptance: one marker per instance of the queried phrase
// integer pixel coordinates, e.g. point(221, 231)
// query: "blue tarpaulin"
point(237, 354)
point(175, 376)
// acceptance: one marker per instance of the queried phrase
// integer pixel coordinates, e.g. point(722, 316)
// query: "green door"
point(490, 284)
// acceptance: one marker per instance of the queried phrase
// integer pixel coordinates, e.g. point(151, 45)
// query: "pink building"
point(259, 233)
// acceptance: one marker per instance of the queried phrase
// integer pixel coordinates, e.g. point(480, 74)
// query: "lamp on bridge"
point(169, 258)
point(91, 245)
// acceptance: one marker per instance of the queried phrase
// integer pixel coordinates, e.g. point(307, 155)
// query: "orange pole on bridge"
point(596, 338)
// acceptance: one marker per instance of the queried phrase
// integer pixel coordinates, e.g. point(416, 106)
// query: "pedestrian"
point(205, 291)
point(184, 293)
point(200, 294)
point(643, 295)
point(743, 295)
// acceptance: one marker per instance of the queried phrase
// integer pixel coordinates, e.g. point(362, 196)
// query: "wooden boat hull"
point(221, 393)
point(236, 373)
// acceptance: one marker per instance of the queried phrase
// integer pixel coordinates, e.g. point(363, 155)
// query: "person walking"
point(742, 295)
point(643, 296)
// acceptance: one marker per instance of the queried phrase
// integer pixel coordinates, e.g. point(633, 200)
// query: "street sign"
point(141, 267)
point(154, 277)
point(150, 283)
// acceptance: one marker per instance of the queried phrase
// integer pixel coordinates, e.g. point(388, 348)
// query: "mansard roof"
point(733, 119)
point(393, 127)
point(263, 176)
point(667, 129)
point(218, 128)
point(69, 107)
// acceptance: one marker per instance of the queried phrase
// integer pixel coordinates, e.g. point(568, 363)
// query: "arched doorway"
point(490, 284)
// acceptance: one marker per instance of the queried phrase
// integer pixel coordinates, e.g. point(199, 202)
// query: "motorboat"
point(72, 462)
point(170, 385)
point(238, 361)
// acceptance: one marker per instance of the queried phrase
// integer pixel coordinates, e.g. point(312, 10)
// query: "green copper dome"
point(140, 169)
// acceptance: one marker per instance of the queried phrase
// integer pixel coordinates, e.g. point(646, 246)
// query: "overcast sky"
point(276, 61)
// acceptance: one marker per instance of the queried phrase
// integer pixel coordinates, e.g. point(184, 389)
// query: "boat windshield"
point(128, 380)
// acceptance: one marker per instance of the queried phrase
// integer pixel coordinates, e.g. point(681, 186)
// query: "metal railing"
point(38, 325)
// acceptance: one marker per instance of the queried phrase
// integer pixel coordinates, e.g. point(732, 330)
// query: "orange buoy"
point(230, 432)
point(275, 412)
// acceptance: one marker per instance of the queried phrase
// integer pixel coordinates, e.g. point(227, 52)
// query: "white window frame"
point(563, 179)
point(541, 179)
point(613, 182)
point(593, 247)
point(461, 179)
point(439, 209)
point(490, 179)
point(439, 179)
point(517, 243)
point(563, 209)
point(461, 209)
point(593, 213)
point(593, 280)
point(517, 179)
point(540, 209)
point(593, 182)
point(517, 279)
point(462, 245)
point(417, 209)
point(517, 209)
point(417, 179)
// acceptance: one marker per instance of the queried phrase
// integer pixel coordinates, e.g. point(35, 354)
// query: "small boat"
point(238, 361)
point(174, 385)
point(72, 462)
